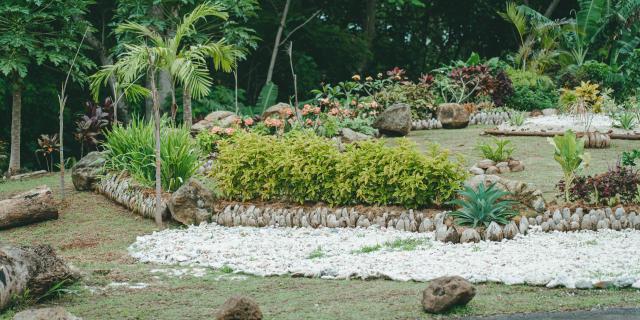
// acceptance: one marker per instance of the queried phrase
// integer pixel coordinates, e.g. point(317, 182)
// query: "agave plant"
point(483, 206)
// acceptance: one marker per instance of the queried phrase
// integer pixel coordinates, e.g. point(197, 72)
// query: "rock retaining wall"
point(137, 198)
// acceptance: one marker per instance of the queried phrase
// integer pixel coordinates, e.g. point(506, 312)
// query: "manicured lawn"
point(93, 234)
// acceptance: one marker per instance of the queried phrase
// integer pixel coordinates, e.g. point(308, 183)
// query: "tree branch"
point(298, 27)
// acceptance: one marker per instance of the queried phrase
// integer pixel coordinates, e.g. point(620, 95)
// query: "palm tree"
point(186, 64)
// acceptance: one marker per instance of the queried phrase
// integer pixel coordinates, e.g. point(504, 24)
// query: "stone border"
point(595, 219)
point(135, 197)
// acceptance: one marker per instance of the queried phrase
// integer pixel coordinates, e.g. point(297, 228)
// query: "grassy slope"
point(93, 234)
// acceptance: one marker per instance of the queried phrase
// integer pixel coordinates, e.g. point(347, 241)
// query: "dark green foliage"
point(501, 152)
point(131, 149)
point(629, 157)
point(482, 206)
point(268, 97)
point(618, 185)
point(418, 96)
point(594, 72)
point(531, 91)
point(304, 167)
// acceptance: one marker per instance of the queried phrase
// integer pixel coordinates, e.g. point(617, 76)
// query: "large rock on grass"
point(30, 269)
point(350, 136)
point(239, 308)
point(55, 313)
point(192, 203)
point(453, 116)
point(395, 120)
point(86, 172)
point(277, 110)
point(446, 292)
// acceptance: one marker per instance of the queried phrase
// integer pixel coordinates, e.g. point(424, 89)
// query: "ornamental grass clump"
point(131, 149)
point(303, 167)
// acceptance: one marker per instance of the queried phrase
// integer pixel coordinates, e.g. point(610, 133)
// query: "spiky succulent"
point(482, 206)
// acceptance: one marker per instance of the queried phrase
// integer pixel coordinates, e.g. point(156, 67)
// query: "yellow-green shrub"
point(304, 167)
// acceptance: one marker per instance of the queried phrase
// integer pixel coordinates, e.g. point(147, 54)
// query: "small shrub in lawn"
point(629, 158)
point(501, 152)
point(302, 166)
point(131, 149)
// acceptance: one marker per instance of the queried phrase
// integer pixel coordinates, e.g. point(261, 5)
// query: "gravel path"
point(561, 123)
point(578, 259)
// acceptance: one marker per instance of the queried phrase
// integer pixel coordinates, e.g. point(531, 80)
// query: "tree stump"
point(33, 268)
point(28, 207)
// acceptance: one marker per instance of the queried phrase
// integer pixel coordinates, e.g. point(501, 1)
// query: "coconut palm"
point(187, 65)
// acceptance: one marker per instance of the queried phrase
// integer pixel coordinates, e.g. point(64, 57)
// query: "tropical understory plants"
point(569, 154)
point(618, 185)
point(131, 149)
point(303, 167)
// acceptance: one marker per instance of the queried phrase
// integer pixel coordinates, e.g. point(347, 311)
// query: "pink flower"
point(248, 122)
point(309, 122)
point(272, 122)
point(229, 131)
point(316, 110)
point(334, 111)
point(216, 130)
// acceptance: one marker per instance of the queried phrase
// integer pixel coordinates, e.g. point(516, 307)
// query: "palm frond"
point(141, 31)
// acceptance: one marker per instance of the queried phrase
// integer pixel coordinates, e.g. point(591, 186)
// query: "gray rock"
point(493, 170)
point(616, 225)
point(602, 224)
point(395, 120)
point(426, 225)
point(545, 226)
point(533, 222)
point(523, 227)
point(584, 284)
point(557, 216)
point(566, 213)
point(363, 222)
point(619, 213)
point(446, 292)
point(55, 313)
point(475, 170)
point(470, 235)
point(332, 221)
point(85, 174)
point(587, 224)
point(276, 110)
point(192, 203)
point(493, 232)
point(485, 163)
point(510, 230)
point(574, 226)
point(549, 111)
point(350, 136)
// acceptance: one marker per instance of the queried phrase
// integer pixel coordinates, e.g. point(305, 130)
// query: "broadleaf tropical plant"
point(569, 154)
point(482, 206)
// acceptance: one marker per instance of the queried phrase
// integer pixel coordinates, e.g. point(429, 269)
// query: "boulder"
point(85, 173)
point(446, 292)
point(276, 110)
point(485, 164)
point(350, 136)
point(222, 119)
point(453, 116)
point(239, 308)
point(493, 232)
point(549, 112)
point(395, 120)
point(56, 313)
point(192, 203)
point(470, 235)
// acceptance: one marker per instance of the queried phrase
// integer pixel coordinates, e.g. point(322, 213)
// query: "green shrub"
point(570, 155)
point(594, 72)
point(131, 149)
point(417, 96)
point(531, 91)
point(302, 166)
point(501, 152)
point(483, 206)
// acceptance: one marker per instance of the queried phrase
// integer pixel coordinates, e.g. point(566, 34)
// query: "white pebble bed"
point(576, 259)
point(561, 123)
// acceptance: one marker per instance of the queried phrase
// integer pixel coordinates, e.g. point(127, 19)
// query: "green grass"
point(93, 234)
point(536, 152)
point(317, 253)
point(397, 245)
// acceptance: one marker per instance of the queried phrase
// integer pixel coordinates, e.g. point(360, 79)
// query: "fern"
point(268, 96)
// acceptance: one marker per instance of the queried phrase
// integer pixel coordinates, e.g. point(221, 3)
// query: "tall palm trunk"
point(156, 115)
point(16, 124)
point(187, 117)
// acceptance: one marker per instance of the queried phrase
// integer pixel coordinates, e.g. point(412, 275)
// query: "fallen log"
point(33, 268)
point(28, 207)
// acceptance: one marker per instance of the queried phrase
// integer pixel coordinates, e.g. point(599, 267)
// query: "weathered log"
point(135, 197)
point(28, 207)
point(35, 269)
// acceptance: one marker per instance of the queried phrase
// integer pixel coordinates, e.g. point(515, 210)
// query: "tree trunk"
point(551, 8)
point(28, 207)
point(276, 44)
point(187, 116)
point(156, 113)
point(30, 268)
point(369, 29)
point(63, 100)
point(16, 124)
